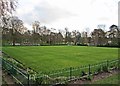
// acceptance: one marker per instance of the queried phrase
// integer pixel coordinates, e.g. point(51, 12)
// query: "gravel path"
point(7, 78)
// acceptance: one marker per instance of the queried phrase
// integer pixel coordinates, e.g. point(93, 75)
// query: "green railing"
point(69, 74)
point(59, 76)
point(19, 76)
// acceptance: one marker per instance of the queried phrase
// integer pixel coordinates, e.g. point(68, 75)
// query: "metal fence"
point(69, 74)
point(15, 72)
point(59, 76)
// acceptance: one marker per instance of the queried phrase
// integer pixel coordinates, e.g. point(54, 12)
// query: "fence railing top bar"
point(11, 57)
point(72, 68)
point(15, 68)
point(82, 67)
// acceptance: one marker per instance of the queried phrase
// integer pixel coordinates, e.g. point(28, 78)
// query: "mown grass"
point(48, 58)
point(114, 79)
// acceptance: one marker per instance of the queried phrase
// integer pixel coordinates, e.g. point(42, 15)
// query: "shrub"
point(83, 73)
point(82, 45)
point(107, 45)
point(90, 77)
point(105, 68)
point(111, 66)
point(98, 69)
point(90, 72)
point(39, 81)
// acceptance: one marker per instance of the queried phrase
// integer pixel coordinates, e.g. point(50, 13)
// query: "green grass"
point(48, 58)
point(114, 79)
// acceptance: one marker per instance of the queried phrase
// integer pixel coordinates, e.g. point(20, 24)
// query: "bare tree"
point(84, 37)
point(36, 33)
point(36, 26)
point(68, 36)
point(14, 28)
point(76, 37)
point(101, 26)
point(17, 27)
point(7, 6)
point(59, 37)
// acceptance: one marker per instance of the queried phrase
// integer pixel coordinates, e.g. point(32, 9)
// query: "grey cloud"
point(46, 13)
point(92, 1)
point(103, 19)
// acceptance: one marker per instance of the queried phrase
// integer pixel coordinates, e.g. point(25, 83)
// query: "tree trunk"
point(13, 42)
point(13, 38)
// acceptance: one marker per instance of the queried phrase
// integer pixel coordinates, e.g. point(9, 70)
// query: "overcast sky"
point(73, 14)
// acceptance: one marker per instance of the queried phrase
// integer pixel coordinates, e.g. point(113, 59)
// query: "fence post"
point(107, 65)
point(89, 70)
point(118, 64)
point(28, 79)
point(70, 73)
point(11, 69)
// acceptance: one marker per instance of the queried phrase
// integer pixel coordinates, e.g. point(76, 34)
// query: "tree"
point(6, 36)
point(17, 27)
point(101, 26)
point(98, 37)
point(36, 33)
point(84, 37)
point(7, 7)
point(74, 33)
point(27, 37)
point(114, 27)
point(68, 36)
point(36, 26)
point(76, 37)
point(114, 34)
point(59, 37)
